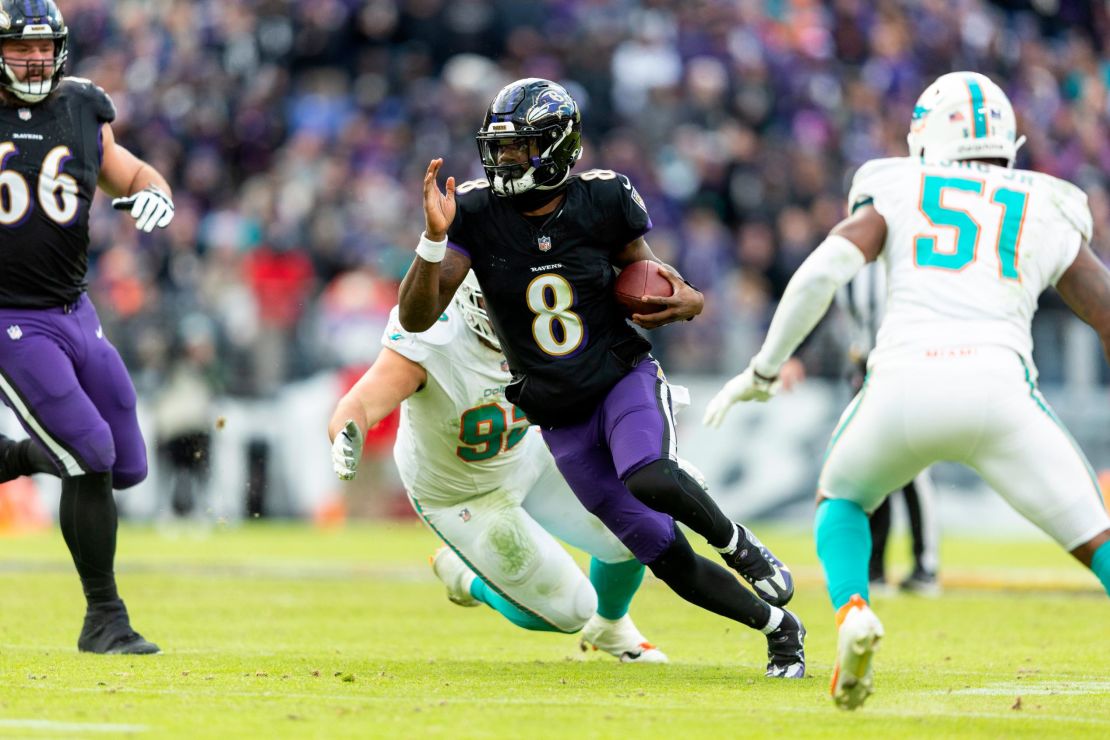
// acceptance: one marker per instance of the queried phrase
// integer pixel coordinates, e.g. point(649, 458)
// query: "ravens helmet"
point(26, 20)
point(531, 137)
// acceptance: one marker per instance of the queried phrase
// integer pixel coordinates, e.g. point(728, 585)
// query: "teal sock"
point(1100, 564)
point(844, 547)
point(616, 584)
point(510, 611)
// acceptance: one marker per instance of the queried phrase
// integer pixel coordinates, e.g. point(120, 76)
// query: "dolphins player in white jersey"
point(968, 243)
point(487, 485)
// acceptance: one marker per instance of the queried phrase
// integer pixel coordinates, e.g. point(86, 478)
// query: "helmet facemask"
point(516, 163)
point(472, 305)
point(32, 80)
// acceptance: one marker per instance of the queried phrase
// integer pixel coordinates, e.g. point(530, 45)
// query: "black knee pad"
point(663, 485)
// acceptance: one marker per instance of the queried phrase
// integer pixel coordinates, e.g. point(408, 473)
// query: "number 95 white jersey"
point(458, 436)
point(969, 248)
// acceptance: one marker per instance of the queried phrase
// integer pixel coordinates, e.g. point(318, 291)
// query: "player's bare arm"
point(437, 272)
point(684, 303)
point(135, 185)
point(390, 380)
point(866, 229)
point(122, 173)
point(1085, 287)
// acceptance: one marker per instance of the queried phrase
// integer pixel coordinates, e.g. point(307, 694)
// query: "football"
point(638, 280)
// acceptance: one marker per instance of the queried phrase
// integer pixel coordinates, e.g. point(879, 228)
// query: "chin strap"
point(535, 198)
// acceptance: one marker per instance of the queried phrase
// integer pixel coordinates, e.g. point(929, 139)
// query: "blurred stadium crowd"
point(295, 134)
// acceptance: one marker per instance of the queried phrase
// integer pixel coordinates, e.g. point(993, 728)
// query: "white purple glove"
point(150, 207)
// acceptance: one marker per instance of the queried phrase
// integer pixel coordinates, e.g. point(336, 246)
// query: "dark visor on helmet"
point(509, 151)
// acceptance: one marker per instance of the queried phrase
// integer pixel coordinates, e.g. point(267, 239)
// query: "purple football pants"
point(631, 427)
point(68, 386)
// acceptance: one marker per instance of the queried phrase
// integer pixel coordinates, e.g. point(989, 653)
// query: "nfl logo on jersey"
point(25, 114)
point(544, 243)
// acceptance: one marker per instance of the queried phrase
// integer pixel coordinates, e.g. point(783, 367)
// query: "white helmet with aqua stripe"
point(964, 115)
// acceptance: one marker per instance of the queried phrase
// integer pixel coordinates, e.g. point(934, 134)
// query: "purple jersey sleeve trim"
point(458, 248)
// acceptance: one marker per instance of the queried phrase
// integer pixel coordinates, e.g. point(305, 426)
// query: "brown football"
point(638, 280)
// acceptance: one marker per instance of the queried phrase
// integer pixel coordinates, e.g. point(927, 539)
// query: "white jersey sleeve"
point(410, 345)
point(876, 183)
point(1072, 209)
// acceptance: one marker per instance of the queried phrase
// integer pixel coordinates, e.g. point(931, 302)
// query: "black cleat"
point(921, 582)
point(786, 657)
point(107, 631)
point(758, 566)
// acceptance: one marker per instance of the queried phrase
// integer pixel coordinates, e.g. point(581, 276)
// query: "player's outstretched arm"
point(437, 271)
point(390, 380)
point(683, 304)
point(852, 243)
point(1085, 287)
point(135, 185)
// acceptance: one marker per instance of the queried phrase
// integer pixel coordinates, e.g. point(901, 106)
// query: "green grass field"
point(283, 630)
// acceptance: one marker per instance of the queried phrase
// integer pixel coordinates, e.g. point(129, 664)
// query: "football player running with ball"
point(58, 372)
point(483, 480)
point(545, 247)
point(968, 243)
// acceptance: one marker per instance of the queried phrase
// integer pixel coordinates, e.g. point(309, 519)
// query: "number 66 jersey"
point(49, 164)
point(969, 248)
point(458, 436)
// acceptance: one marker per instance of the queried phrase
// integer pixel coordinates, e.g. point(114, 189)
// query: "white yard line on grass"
point(52, 726)
point(873, 708)
point(1035, 688)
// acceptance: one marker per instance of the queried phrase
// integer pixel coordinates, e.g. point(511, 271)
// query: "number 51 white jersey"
point(969, 248)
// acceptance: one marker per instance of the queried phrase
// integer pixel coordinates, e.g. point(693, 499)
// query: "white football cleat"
point(859, 636)
point(451, 569)
point(621, 639)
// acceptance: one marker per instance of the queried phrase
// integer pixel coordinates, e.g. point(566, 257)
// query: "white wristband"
point(431, 251)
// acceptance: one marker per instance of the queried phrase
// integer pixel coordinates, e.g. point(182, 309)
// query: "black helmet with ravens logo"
point(31, 20)
point(530, 139)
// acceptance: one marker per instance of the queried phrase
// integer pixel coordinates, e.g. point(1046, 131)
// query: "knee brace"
point(662, 485)
point(665, 486)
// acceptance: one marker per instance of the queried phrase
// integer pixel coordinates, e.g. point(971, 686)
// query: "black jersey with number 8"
point(547, 283)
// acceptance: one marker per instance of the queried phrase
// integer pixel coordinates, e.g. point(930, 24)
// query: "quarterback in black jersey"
point(545, 247)
point(59, 374)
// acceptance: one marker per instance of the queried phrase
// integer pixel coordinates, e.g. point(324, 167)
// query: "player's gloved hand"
point(346, 451)
point(150, 207)
point(747, 386)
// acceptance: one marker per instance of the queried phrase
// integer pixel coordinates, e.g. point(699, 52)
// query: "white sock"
point(773, 622)
point(731, 546)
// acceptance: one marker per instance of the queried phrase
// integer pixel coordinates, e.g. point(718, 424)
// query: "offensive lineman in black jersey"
point(544, 246)
point(59, 374)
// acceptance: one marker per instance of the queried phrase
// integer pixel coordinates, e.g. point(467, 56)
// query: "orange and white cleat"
point(621, 639)
point(860, 633)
